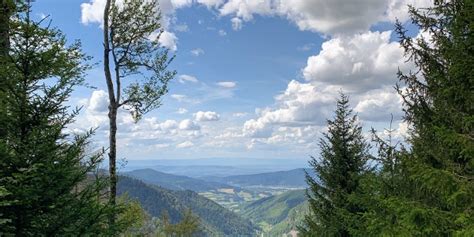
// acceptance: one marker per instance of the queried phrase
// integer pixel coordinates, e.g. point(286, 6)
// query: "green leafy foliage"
point(134, 32)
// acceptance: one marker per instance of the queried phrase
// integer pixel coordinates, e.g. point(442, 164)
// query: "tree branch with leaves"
point(139, 77)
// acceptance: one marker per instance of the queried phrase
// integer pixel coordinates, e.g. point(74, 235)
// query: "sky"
point(255, 78)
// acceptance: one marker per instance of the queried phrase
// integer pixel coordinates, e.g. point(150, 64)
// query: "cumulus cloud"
point(179, 97)
point(181, 3)
point(236, 23)
point(168, 40)
point(328, 17)
point(398, 9)
point(361, 62)
point(197, 52)
point(92, 12)
point(239, 114)
point(185, 144)
point(182, 111)
point(227, 84)
point(187, 78)
point(379, 105)
point(335, 17)
point(99, 101)
point(189, 125)
point(202, 116)
point(301, 104)
point(210, 3)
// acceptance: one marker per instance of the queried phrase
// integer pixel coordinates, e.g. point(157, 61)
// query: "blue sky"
point(256, 79)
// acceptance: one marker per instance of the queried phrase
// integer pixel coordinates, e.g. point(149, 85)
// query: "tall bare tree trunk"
point(113, 107)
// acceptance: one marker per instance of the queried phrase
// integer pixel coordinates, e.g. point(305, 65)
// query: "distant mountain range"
point(290, 178)
point(278, 215)
point(215, 219)
point(175, 182)
point(215, 166)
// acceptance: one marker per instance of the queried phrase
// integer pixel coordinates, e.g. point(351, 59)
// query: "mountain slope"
point(277, 214)
point(216, 220)
point(290, 178)
point(175, 182)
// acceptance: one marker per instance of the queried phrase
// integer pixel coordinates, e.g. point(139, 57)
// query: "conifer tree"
point(439, 106)
point(429, 190)
point(44, 170)
point(344, 154)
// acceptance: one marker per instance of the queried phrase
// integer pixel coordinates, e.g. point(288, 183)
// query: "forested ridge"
point(215, 220)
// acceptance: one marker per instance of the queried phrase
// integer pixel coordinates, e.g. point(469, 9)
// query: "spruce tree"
point(439, 105)
point(344, 154)
point(47, 187)
point(429, 191)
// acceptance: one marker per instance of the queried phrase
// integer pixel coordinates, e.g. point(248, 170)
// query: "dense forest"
point(359, 184)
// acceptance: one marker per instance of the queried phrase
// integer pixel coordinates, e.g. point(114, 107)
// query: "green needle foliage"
point(344, 154)
point(428, 190)
point(45, 189)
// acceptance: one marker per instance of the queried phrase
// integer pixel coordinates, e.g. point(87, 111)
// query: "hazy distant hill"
point(175, 182)
point(278, 214)
point(216, 166)
point(290, 178)
point(216, 220)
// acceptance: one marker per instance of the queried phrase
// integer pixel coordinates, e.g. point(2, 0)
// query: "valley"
point(268, 204)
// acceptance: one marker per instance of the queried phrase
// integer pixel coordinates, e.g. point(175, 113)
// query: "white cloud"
point(197, 52)
point(227, 84)
point(239, 114)
point(222, 33)
point(398, 9)
point(335, 17)
point(328, 17)
point(181, 3)
point(187, 78)
point(179, 97)
point(185, 144)
point(379, 104)
point(182, 111)
point(301, 104)
point(306, 47)
point(236, 23)
point(99, 101)
point(361, 62)
point(246, 9)
point(189, 125)
point(168, 124)
point(210, 3)
point(168, 40)
point(181, 27)
point(202, 116)
point(92, 12)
